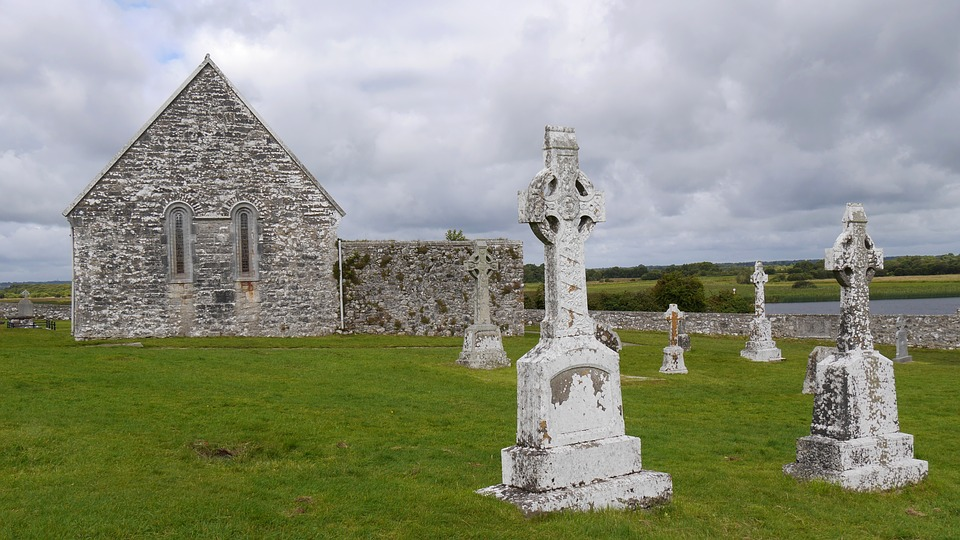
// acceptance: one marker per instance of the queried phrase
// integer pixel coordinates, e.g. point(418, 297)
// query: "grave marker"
point(572, 451)
point(855, 439)
point(673, 353)
point(482, 342)
point(760, 347)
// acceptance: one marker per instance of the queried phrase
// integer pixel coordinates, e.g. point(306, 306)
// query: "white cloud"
point(726, 131)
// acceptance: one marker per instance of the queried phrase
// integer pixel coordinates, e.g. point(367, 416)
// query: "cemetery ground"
point(384, 436)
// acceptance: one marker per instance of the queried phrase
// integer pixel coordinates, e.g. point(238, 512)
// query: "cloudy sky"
point(719, 130)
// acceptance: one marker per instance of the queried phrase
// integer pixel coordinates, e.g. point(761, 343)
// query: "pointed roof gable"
point(206, 62)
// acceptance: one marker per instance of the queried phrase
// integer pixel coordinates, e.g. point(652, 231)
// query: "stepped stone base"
point(762, 351)
point(673, 360)
point(643, 489)
point(483, 348)
point(866, 464)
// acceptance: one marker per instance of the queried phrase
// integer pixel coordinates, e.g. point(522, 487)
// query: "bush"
point(803, 284)
point(685, 291)
point(727, 302)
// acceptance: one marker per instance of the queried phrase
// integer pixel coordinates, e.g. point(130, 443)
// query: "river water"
point(912, 306)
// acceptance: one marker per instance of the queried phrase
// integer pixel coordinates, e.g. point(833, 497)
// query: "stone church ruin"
point(206, 224)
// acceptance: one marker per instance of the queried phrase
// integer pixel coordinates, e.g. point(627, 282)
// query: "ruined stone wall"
point(209, 151)
point(57, 312)
point(422, 288)
point(933, 331)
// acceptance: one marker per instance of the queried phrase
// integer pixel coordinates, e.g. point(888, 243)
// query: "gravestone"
point(482, 342)
point(816, 355)
point(673, 353)
point(25, 312)
point(855, 439)
point(903, 355)
point(572, 452)
point(760, 347)
point(683, 338)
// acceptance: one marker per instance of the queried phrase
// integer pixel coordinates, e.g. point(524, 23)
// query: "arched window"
point(179, 240)
point(246, 254)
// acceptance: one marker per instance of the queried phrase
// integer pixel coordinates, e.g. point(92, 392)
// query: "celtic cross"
point(854, 260)
point(481, 265)
point(758, 278)
point(561, 205)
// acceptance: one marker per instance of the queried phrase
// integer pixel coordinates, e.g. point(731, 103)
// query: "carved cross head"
point(561, 200)
point(854, 255)
point(481, 262)
point(759, 276)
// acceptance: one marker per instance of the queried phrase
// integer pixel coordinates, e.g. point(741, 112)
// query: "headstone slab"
point(482, 341)
point(572, 452)
point(813, 360)
point(683, 338)
point(673, 353)
point(855, 438)
point(760, 347)
point(903, 354)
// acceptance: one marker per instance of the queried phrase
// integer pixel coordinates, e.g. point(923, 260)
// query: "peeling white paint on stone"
point(760, 347)
point(855, 438)
point(482, 343)
point(571, 451)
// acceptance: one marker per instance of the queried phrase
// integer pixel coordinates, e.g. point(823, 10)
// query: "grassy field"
point(888, 287)
point(385, 437)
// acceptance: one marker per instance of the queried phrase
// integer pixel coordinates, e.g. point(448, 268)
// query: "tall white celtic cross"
point(481, 266)
point(561, 205)
point(758, 278)
point(854, 260)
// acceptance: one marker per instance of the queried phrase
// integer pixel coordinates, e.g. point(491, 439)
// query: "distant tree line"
point(671, 288)
point(52, 289)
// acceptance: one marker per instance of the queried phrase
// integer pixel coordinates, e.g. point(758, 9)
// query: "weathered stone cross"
point(674, 315)
point(561, 205)
point(758, 278)
point(481, 266)
point(854, 260)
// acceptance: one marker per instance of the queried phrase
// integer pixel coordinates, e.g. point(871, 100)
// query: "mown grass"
point(385, 437)
point(882, 288)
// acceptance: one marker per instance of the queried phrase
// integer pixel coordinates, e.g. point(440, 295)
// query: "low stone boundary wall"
point(931, 331)
point(57, 312)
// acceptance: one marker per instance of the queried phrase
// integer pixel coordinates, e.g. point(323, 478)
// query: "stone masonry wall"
point(933, 331)
point(422, 288)
point(57, 312)
point(209, 151)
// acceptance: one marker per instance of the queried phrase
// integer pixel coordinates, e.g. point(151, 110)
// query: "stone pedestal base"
point(673, 360)
point(762, 351)
point(903, 359)
point(483, 348)
point(643, 489)
point(867, 464)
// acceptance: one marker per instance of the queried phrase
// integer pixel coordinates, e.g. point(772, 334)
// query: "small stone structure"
point(855, 439)
point(482, 344)
point(760, 347)
point(903, 355)
point(572, 451)
point(673, 353)
point(25, 317)
point(816, 355)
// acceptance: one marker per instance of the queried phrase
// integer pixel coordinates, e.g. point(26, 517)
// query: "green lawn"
point(385, 437)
